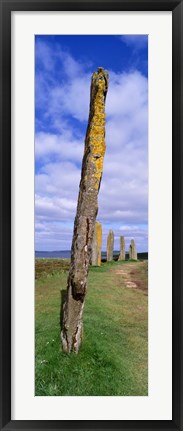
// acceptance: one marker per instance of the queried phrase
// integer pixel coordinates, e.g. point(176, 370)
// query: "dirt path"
point(133, 275)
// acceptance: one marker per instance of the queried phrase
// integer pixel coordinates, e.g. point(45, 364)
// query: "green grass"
point(113, 358)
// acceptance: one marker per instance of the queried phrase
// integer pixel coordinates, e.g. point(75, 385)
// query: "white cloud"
point(58, 180)
point(71, 67)
point(64, 145)
point(124, 187)
point(44, 55)
point(137, 41)
point(53, 236)
point(127, 93)
point(71, 98)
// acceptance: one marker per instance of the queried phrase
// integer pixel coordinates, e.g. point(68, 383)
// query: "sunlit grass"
point(113, 359)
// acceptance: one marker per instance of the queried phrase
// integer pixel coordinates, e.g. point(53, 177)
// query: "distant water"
point(65, 254)
point(51, 254)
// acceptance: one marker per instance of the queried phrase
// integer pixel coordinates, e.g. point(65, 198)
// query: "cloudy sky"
point(64, 65)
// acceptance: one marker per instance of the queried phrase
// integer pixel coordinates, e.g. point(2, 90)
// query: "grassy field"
point(113, 359)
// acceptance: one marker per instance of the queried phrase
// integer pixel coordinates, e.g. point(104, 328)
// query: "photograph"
point(91, 215)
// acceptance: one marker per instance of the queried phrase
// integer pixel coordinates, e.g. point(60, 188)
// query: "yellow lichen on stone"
point(84, 241)
point(97, 131)
point(97, 245)
point(99, 241)
point(110, 245)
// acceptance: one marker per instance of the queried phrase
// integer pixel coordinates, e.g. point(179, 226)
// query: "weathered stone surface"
point(87, 208)
point(122, 248)
point(97, 245)
point(132, 250)
point(110, 245)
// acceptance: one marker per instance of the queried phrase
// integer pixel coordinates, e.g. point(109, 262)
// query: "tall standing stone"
point(97, 245)
point(87, 208)
point(122, 248)
point(110, 246)
point(132, 250)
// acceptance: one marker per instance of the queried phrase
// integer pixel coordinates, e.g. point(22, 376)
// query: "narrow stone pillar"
point(110, 246)
point(97, 245)
point(132, 250)
point(122, 248)
point(87, 208)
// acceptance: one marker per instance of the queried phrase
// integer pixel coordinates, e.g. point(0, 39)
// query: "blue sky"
point(64, 65)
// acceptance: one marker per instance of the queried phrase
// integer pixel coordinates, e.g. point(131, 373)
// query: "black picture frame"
point(6, 7)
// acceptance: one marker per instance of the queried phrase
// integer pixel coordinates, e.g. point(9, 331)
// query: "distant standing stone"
point(133, 250)
point(97, 245)
point(110, 245)
point(122, 248)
